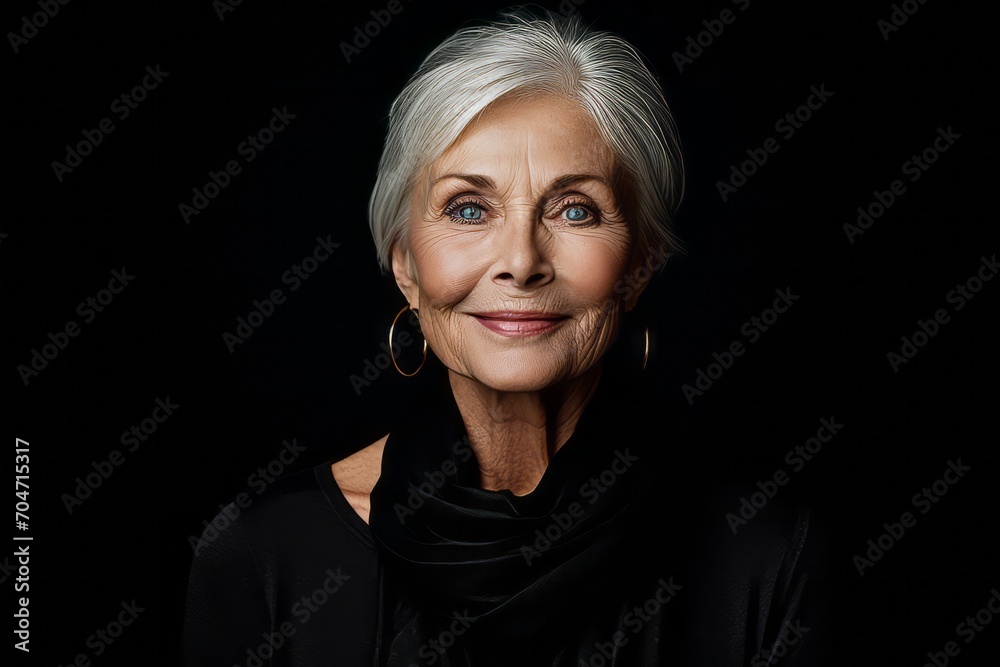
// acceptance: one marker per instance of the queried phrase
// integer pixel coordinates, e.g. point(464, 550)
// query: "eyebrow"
point(486, 182)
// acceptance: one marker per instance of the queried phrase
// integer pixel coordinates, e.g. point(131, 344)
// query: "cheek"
point(448, 266)
point(594, 268)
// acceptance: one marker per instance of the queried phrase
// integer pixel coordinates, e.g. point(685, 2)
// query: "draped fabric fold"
point(476, 577)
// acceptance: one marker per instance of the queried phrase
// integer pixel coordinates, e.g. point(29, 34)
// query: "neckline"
point(341, 506)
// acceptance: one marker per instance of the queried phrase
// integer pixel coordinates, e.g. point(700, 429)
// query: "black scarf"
point(475, 577)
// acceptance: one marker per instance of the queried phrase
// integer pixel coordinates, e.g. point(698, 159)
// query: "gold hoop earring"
point(645, 354)
point(392, 327)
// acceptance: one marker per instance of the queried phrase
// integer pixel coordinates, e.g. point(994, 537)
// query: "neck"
point(515, 434)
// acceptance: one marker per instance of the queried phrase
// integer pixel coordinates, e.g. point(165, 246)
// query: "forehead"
point(555, 135)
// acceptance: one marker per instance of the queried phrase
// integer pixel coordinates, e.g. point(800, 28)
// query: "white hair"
point(525, 53)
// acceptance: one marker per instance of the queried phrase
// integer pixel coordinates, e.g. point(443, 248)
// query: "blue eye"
point(466, 212)
point(470, 212)
point(578, 215)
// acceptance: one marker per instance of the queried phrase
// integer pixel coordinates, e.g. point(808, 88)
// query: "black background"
point(162, 336)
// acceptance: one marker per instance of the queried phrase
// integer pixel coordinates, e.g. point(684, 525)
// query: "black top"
point(297, 578)
point(296, 571)
point(293, 580)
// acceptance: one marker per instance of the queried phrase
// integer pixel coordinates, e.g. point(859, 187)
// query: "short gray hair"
point(527, 53)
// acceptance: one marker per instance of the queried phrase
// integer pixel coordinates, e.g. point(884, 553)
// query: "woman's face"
point(516, 243)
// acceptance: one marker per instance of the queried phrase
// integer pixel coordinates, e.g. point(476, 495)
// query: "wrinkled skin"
point(498, 224)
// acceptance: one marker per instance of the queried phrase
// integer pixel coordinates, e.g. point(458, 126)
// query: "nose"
point(522, 258)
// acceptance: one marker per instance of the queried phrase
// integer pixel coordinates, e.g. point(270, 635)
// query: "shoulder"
point(357, 474)
point(275, 557)
point(269, 525)
point(763, 586)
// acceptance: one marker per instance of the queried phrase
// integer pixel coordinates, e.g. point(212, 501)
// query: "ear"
point(402, 269)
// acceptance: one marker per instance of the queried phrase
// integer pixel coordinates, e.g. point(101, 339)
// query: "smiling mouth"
point(520, 323)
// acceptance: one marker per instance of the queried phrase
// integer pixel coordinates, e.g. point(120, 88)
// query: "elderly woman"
point(525, 191)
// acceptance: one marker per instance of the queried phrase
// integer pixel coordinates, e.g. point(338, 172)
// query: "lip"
point(520, 323)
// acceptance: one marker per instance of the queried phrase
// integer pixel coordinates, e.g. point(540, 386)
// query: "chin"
point(519, 370)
